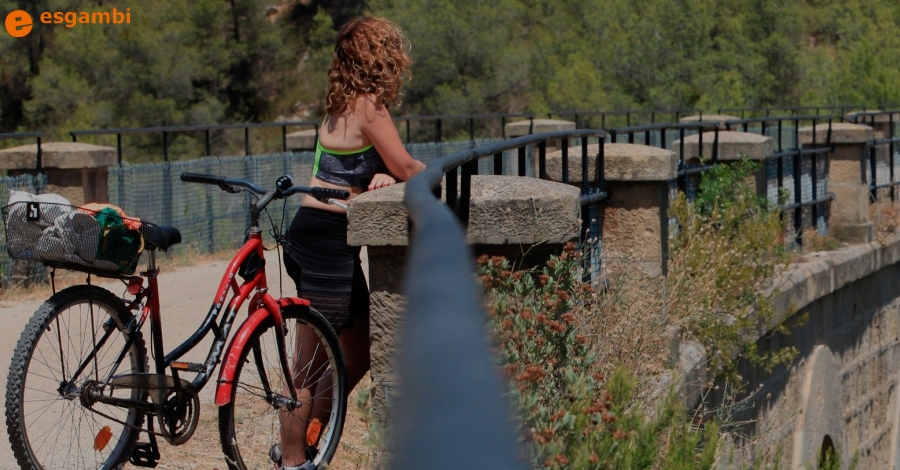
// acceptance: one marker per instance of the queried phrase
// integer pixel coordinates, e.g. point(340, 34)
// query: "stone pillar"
point(537, 126)
point(635, 217)
point(880, 124)
point(720, 118)
point(846, 178)
point(301, 140)
point(732, 146)
point(507, 214)
point(77, 171)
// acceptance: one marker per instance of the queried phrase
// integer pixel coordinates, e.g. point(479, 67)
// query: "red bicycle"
point(80, 391)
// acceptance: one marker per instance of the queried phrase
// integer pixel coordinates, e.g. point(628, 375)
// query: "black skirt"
point(326, 270)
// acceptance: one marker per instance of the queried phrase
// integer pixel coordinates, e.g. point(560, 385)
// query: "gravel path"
point(186, 294)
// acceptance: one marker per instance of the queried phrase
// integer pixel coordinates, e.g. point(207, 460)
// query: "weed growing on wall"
point(583, 361)
point(728, 245)
point(572, 414)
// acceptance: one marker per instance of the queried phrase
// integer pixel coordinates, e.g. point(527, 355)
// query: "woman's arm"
point(377, 125)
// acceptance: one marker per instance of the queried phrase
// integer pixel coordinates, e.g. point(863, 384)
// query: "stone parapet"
point(881, 123)
point(64, 155)
point(841, 133)
point(621, 162)
point(537, 126)
point(302, 140)
point(635, 221)
point(507, 215)
point(504, 210)
point(847, 177)
point(720, 118)
point(731, 146)
point(77, 171)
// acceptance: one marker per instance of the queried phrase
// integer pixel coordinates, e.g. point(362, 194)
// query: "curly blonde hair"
point(371, 57)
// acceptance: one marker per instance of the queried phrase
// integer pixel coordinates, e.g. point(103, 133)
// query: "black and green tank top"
point(348, 168)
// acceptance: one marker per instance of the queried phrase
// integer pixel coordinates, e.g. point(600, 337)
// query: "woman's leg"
point(308, 366)
point(354, 340)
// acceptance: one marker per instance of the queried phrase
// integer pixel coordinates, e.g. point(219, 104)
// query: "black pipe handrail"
point(448, 384)
point(791, 109)
point(796, 153)
point(677, 112)
point(684, 169)
point(440, 118)
point(38, 165)
point(118, 132)
point(868, 117)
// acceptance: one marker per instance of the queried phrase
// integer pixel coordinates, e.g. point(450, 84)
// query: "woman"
point(358, 150)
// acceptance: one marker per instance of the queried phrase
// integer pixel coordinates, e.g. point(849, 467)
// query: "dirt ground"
point(185, 294)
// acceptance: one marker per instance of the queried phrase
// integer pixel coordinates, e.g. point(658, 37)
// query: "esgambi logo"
point(19, 23)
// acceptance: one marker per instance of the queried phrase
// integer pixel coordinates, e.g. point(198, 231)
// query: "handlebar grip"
point(201, 178)
point(324, 193)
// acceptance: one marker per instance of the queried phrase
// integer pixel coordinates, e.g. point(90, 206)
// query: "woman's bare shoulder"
point(370, 108)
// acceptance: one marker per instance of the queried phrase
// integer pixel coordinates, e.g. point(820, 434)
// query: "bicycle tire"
point(249, 425)
point(63, 328)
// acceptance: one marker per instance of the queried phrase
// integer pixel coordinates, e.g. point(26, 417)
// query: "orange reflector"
point(313, 432)
point(180, 365)
point(102, 438)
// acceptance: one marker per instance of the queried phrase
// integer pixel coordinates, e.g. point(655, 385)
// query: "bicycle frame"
point(262, 305)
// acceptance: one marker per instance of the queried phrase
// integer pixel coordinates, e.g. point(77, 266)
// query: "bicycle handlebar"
point(224, 183)
point(221, 182)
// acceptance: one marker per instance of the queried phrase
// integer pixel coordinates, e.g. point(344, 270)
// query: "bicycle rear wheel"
point(48, 423)
point(252, 422)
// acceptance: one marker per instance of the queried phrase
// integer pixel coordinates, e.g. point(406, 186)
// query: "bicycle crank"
point(175, 403)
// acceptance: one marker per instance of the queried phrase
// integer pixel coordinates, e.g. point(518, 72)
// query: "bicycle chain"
point(126, 424)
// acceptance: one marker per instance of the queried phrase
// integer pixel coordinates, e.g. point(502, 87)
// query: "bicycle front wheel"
point(51, 425)
point(259, 417)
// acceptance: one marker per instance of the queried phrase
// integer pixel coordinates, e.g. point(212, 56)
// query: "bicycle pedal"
point(145, 454)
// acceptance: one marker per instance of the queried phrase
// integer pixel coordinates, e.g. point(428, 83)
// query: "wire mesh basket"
point(77, 238)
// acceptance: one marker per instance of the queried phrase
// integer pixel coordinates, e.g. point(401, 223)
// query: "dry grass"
point(886, 217)
point(204, 451)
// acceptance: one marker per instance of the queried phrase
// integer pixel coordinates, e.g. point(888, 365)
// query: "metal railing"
point(888, 141)
point(38, 164)
point(792, 110)
point(628, 113)
point(450, 384)
point(439, 119)
point(684, 129)
point(796, 153)
point(167, 131)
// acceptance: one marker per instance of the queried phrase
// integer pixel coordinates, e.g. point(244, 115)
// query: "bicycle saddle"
point(161, 236)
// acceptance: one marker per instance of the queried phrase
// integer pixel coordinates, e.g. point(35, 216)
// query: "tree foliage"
point(203, 61)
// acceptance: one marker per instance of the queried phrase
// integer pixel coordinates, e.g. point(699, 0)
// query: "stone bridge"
point(841, 391)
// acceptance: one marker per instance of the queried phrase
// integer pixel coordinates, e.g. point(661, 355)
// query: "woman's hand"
point(381, 180)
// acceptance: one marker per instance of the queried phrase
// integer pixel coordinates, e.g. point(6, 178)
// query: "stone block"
point(302, 140)
point(732, 146)
point(503, 210)
point(720, 118)
point(635, 225)
point(537, 126)
point(847, 163)
point(851, 203)
point(65, 155)
point(77, 171)
point(622, 162)
point(841, 133)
